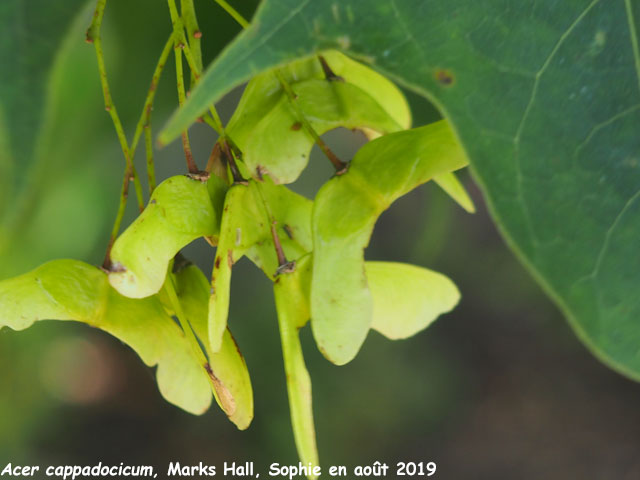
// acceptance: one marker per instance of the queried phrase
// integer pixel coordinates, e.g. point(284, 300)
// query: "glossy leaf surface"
point(545, 98)
point(345, 211)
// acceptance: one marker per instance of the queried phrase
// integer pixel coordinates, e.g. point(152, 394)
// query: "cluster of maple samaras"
point(313, 251)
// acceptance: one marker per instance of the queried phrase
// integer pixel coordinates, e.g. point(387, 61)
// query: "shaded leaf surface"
point(545, 98)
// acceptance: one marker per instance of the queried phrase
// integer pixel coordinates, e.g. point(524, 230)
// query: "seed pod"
point(407, 298)
point(344, 214)
point(181, 209)
point(291, 291)
point(73, 290)
point(272, 137)
point(249, 211)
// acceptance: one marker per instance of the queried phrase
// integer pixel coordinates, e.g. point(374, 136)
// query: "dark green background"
point(500, 388)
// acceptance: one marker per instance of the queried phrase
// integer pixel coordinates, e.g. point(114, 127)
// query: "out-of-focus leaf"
point(32, 33)
point(69, 176)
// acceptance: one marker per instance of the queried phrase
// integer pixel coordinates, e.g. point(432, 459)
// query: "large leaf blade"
point(545, 98)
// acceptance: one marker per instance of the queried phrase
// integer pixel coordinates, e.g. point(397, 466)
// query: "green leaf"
point(291, 291)
point(32, 33)
point(545, 99)
point(229, 371)
point(181, 209)
point(249, 211)
point(344, 214)
point(407, 298)
point(72, 290)
point(266, 128)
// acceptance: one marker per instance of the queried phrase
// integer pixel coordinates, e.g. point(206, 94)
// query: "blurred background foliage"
point(500, 388)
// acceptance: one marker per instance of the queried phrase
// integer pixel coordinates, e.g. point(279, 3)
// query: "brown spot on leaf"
point(445, 77)
point(296, 126)
point(224, 395)
point(200, 176)
point(217, 262)
point(117, 268)
point(230, 258)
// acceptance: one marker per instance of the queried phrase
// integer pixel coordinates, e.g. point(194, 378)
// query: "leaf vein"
point(534, 92)
point(634, 38)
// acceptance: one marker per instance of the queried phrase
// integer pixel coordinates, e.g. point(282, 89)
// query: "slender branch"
point(191, 23)
point(124, 194)
point(186, 145)
point(93, 36)
point(214, 123)
point(151, 169)
point(237, 176)
point(179, 44)
point(195, 65)
point(145, 116)
point(282, 259)
point(284, 266)
point(338, 164)
point(233, 12)
point(328, 72)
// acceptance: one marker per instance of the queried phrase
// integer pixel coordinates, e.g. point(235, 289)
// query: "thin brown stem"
point(194, 35)
point(124, 194)
point(328, 72)
point(338, 164)
point(180, 44)
point(151, 170)
point(235, 172)
point(282, 259)
point(145, 116)
point(186, 145)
